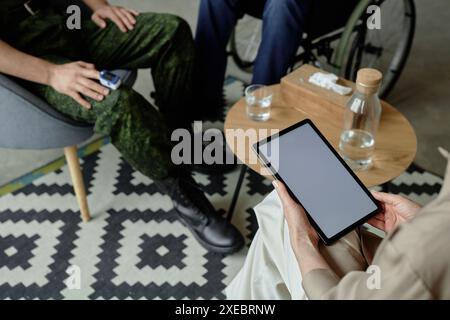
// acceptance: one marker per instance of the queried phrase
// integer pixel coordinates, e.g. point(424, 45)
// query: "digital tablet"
point(333, 197)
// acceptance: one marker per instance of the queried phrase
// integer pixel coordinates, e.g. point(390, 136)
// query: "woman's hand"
point(304, 239)
point(396, 210)
point(300, 230)
point(123, 18)
point(74, 80)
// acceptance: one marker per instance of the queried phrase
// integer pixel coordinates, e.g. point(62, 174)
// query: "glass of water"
point(259, 101)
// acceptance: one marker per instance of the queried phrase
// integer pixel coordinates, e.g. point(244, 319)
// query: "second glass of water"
point(259, 101)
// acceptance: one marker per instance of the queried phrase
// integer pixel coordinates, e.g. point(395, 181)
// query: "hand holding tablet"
point(315, 176)
point(300, 228)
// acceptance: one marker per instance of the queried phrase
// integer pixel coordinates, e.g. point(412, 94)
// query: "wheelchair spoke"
point(387, 48)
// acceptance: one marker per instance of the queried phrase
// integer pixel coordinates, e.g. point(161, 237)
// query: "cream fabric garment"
point(270, 270)
point(414, 260)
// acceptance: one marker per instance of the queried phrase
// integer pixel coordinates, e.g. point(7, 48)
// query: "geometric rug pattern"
point(134, 247)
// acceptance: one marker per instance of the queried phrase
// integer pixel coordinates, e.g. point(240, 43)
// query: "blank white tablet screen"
point(318, 179)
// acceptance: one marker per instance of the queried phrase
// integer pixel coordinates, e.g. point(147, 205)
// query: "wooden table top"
point(396, 142)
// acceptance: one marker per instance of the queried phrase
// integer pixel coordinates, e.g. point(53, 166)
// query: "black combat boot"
point(211, 230)
point(227, 161)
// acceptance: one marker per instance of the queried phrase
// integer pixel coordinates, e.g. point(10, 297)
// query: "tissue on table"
point(329, 81)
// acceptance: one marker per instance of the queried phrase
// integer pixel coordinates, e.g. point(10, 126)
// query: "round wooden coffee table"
point(396, 142)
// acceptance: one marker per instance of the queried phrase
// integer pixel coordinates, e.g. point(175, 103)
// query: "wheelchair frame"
point(337, 57)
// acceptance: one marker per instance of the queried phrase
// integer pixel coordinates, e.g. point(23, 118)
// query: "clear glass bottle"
point(361, 120)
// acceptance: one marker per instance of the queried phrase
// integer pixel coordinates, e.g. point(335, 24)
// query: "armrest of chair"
point(6, 83)
point(16, 94)
point(27, 122)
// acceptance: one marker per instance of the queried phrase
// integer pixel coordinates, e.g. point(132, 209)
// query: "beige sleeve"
point(396, 280)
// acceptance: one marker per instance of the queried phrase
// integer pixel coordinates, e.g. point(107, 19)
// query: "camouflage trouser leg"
point(160, 42)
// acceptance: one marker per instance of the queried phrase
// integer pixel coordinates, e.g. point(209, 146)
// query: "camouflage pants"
point(160, 42)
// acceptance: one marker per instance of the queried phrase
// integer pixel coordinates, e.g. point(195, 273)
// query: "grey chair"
point(27, 122)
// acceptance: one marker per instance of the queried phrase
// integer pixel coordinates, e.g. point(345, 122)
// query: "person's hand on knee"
point(123, 18)
point(76, 79)
point(396, 210)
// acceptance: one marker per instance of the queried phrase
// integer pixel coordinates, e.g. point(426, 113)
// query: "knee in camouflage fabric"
point(161, 42)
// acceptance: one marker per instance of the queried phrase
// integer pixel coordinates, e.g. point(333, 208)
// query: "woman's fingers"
point(386, 197)
point(379, 224)
point(379, 217)
point(284, 195)
point(279, 187)
point(377, 221)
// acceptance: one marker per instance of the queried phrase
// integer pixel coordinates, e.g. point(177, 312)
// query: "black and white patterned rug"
point(134, 248)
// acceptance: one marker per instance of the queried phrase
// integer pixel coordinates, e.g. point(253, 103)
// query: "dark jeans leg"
point(216, 21)
point(283, 25)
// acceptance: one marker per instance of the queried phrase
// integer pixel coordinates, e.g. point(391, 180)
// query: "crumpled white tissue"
point(329, 81)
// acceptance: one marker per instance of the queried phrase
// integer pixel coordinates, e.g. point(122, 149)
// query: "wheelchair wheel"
point(385, 49)
point(245, 41)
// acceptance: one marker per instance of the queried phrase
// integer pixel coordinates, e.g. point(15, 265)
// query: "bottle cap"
point(368, 80)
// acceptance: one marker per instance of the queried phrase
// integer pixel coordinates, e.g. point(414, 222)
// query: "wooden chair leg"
point(77, 179)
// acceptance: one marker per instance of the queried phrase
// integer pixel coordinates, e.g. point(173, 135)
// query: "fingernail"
point(275, 184)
